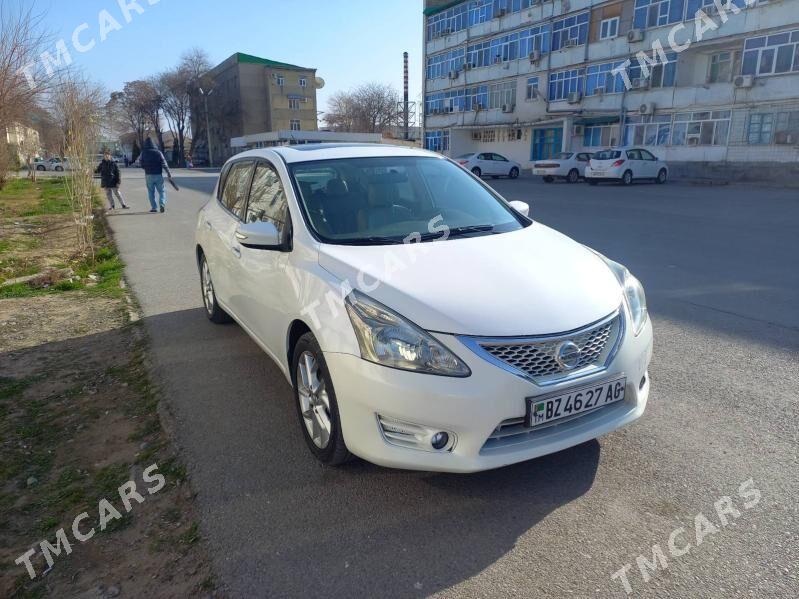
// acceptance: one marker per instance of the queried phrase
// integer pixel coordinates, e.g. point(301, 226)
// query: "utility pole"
point(208, 127)
point(405, 105)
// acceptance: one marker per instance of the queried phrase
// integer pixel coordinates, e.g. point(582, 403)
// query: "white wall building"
point(529, 78)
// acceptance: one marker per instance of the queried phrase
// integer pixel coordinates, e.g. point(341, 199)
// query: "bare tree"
point(370, 108)
point(131, 109)
point(76, 105)
point(175, 87)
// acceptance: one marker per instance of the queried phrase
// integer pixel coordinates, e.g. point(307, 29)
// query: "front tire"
point(40, 168)
point(573, 176)
point(212, 310)
point(662, 176)
point(548, 179)
point(316, 403)
point(477, 172)
point(514, 173)
point(59, 169)
point(627, 178)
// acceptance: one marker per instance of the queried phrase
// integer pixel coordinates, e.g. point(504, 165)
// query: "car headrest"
point(336, 187)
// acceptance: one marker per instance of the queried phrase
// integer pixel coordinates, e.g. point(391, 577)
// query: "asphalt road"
point(720, 266)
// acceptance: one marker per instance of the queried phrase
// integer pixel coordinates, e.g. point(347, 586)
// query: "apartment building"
point(249, 95)
point(530, 78)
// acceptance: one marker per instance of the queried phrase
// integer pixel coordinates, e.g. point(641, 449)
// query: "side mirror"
point(260, 235)
point(521, 207)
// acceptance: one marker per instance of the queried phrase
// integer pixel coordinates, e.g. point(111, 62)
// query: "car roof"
point(332, 151)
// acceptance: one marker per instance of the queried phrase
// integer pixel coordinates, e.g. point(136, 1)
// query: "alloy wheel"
point(573, 175)
point(314, 401)
point(208, 289)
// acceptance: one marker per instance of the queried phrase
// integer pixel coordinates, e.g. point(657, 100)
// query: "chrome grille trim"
point(533, 358)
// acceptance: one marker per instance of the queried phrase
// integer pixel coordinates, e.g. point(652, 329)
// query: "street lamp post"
point(207, 126)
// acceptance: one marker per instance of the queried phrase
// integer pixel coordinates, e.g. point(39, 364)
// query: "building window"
point(281, 81)
point(295, 125)
point(720, 67)
point(563, 83)
point(660, 75)
point(771, 54)
point(760, 128)
point(441, 64)
point(294, 104)
point(787, 129)
point(303, 82)
point(701, 128)
point(598, 136)
point(532, 88)
point(647, 130)
point(437, 141)
point(501, 94)
point(508, 47)
point(600, 79)
point(571, 31)
point(609, 28)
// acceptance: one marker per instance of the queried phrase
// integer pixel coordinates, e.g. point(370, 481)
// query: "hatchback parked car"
point(625, 165)
point(489, 164)
point(422, 321)
point(565, 165)
point(52, 164)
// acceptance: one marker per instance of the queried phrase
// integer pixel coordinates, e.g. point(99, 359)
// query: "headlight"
point(387, 338)
point(634, 295)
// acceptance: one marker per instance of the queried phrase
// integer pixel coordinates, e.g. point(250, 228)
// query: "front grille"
point(536, 357)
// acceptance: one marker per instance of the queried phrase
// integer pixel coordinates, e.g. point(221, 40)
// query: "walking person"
point(110, 178)
point(154, 164)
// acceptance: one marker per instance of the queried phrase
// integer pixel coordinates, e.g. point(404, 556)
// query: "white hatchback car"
point(625, 165)
point(565, 165)
point(489, 164)
point(423, 321)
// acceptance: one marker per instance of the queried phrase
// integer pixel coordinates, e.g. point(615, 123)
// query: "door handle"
point(209, 225)
point(236, 251)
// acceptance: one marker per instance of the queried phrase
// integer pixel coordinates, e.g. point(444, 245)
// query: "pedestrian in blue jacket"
point(154, 163)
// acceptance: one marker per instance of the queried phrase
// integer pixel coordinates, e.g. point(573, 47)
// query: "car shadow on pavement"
point(280, 524)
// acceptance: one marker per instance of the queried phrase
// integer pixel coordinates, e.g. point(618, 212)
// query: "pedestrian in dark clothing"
point(127, 162)
point(154, 163)
point(110, 178)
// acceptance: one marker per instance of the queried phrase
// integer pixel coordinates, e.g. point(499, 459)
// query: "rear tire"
point(627, 178)
point(315, 399)
point(514, 173)
point(573, 176)
point(212, 310)
point(59, 169)
point(40, 168)
point(662, 176)
point(548, 179)
point(477, 172)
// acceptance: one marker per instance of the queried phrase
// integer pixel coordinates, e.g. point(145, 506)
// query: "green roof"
point(437, 9)
point(248, 58)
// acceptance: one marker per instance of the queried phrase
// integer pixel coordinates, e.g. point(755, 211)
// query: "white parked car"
point(565, 165)
point(423, 321)
point(52, 164)
point(625, 165)
point(489, 164)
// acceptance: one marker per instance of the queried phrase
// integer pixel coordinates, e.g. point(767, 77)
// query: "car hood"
point(534, 281)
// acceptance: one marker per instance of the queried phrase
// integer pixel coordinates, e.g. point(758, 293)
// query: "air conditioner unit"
point(646, 108)
point(571, 43)
point(500, 12)
point(467, 66)
point(635, 35)
point(454, 74)
point(535, 56)
point(744, 81)
point(497, 59)
point(640, 83)
point(508, 107)
point(599, 91)
point(578, 130)
point(575, 97)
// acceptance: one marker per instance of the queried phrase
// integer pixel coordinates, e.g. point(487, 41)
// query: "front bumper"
point(473, 407)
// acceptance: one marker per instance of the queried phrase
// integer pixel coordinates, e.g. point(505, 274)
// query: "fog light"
point(439, 440)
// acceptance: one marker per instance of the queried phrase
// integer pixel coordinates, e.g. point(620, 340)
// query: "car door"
point(501, 164)
point(262, 286)
point(222, 219)
point(485, 163)
point(650, 164)
point(634, 158)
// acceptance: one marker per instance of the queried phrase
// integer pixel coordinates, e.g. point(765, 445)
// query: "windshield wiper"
point(458, 232)
point(373, 240)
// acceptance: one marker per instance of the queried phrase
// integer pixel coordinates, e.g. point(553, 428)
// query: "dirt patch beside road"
point(78, 419)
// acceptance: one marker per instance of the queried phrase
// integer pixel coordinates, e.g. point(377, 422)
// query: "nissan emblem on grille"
point(568, 355)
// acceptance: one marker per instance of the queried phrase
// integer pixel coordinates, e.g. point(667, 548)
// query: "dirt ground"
point(78, 419)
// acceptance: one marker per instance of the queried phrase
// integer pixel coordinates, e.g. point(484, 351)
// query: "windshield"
point(563, 156)
point(376, 201)
point(607, 155)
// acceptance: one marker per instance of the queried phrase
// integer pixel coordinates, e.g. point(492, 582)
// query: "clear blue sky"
point(348, 41)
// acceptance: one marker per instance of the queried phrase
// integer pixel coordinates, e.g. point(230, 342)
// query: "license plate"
point(599, 173)
point(540, 171)
point(575, 401)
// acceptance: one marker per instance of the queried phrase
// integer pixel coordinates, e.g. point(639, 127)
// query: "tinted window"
point(499, 158)
point(563, 155)
point(607, 155)
point(484, 157)
point(267, 198)
point(645, 155)
point(634, 155)
point(234, 193)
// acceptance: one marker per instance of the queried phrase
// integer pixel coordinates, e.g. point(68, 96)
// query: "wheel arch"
point(296, 329)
